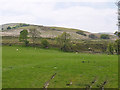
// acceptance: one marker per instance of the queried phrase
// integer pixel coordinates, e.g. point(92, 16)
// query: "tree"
point(64, 41)
point(104, 36)
point(117, 46)
point(117, 34)
point(117, 43)
point(81, 33)
point(110, 48)
point(23, 37)
point(34, 34)
point(45, 43)
point(92, 36)
point(8, 27)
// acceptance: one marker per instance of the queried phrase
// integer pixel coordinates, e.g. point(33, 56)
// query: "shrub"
point(64, 41)
point(26, 43)
point(104, 36)
point(92, 36)
point(110, 48)
point(45, 43)
point(23, 37)
point(23, 24)
point(8, 27)
point(117, 34)
point(117, 46)
point(81, 33)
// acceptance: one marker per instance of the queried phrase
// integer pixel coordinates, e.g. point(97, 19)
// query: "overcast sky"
point(89, 15)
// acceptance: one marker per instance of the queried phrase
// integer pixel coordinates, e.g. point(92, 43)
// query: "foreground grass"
point(32, 67)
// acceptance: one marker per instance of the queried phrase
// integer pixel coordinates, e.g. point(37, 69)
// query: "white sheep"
point(55, 67)
point(76, 52)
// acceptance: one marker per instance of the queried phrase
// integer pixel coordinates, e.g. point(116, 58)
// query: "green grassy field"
point(31, 67)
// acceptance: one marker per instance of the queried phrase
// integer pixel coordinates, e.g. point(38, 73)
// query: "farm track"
point(103, 84)
point(91, 84)
point(47, 83)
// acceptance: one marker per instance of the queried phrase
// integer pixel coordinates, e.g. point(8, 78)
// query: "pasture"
point(29, 67)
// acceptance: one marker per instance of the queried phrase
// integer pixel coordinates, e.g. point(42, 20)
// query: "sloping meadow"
point(28, 67)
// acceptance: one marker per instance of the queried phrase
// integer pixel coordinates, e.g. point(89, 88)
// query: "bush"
point(45, 43)
point(64, 41)
point(26, 43)
point(13, 27)
point(92, 36)
point(104, 36)
point(23, 24)
point(117, 34)
point(81, 33)
point(66, 48)
point(8, 27)
point(110, 48)
point(117, 46)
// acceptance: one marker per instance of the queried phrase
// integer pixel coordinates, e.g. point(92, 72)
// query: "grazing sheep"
point(90, 49)
point(17, 49)
point(55, 67)
point(76, 52)
point(71, 83)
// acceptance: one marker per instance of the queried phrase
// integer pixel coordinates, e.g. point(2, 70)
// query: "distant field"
point(31, 67)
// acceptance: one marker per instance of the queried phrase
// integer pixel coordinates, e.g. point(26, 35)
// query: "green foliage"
point(117, 46)
point(104, 36)
point(64, 41)
point(114, 48)
point(26, 43)
point(117, 34)
point(45, 43)
point(63, 29)
point(17, 26)
point(81, 33)
point(8, 27)
point(23, 37)
point(23, 24)
point(92, 36)
point(110, 48)
point(13, 27)
point(34, 34)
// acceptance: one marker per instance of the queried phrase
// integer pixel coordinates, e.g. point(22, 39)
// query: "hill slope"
point(46, 32)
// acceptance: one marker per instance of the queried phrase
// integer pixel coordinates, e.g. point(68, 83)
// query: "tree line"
point(64, 41)
point(114, 48)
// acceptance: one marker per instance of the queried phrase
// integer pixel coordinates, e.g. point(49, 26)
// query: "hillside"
point(13, 29)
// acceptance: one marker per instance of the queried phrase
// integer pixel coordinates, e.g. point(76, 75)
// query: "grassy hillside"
point(48, 32)
point(33, 67)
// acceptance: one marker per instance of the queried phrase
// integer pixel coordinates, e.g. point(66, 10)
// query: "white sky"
point(89, 15)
